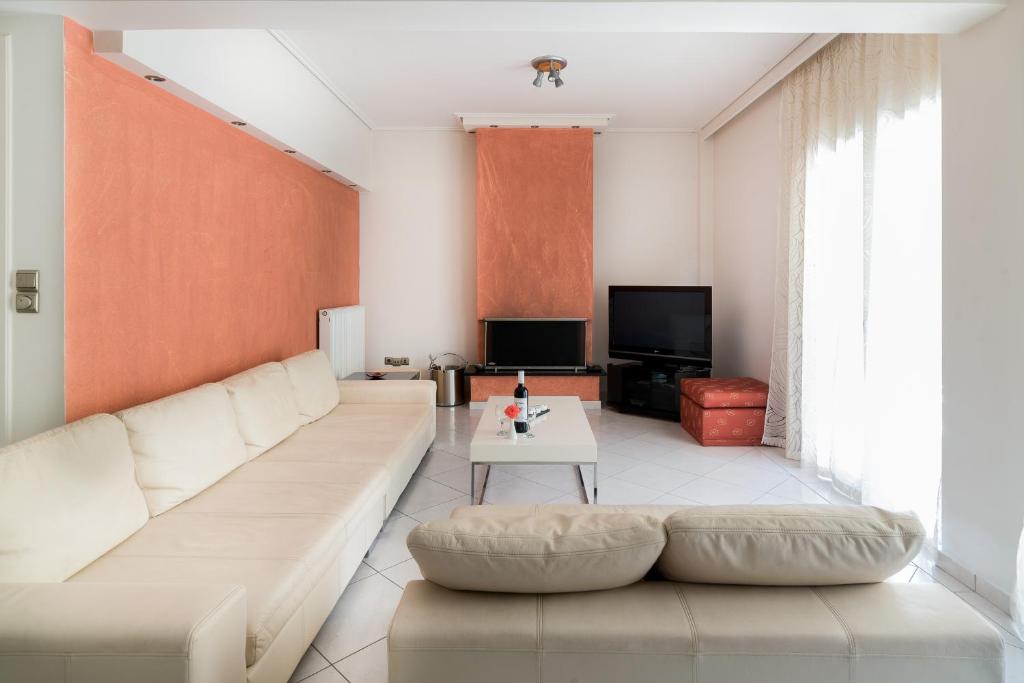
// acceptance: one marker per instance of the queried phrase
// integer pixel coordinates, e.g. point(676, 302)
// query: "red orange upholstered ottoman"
point(724, 412)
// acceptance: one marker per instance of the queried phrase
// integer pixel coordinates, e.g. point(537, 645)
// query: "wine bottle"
point(520, 398)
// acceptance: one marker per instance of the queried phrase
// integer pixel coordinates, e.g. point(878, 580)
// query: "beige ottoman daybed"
point(838, 623)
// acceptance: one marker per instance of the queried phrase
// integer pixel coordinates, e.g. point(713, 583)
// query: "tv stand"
point(649, 388)
point(585, 384)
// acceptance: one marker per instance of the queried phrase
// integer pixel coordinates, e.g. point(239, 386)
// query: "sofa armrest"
point(422, 391)
point(159, 633)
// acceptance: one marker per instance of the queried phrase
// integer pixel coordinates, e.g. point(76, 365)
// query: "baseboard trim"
point(996, 596)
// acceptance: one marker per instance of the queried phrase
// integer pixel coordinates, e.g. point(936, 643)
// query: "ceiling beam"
point(800, 54)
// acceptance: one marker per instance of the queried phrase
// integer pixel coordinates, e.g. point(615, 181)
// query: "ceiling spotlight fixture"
point(550, 65)
point(155, 78)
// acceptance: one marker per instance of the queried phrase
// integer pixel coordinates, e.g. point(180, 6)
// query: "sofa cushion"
point(223, 536)
point(67, 496)
point(313, 383)
point(788, 545)
point(183, 444)
point(264, 405)
point(546, 554)
point(391, 436)
point(540, 509)
point(726, 392)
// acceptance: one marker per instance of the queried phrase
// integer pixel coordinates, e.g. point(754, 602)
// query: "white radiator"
point(342, 336)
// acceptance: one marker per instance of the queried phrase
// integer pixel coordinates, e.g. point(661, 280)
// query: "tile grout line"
point(343, 676)
point(355, 652)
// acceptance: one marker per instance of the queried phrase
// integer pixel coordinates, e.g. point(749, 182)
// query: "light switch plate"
point(26, 280)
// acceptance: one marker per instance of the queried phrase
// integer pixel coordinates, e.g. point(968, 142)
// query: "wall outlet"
point(396, 361)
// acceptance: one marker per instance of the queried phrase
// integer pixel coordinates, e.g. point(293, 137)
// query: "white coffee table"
point(561, 437)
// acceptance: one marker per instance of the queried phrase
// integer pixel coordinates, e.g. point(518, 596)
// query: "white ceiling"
point(646, 80)
point(631, 16)
point(652, 64)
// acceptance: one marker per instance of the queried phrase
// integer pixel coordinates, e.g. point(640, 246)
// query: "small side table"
point(388, 374)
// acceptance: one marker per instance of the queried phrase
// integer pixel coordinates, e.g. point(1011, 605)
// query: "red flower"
point(512, 411)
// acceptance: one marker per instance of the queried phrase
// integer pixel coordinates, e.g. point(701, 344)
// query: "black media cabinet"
point(647, 388)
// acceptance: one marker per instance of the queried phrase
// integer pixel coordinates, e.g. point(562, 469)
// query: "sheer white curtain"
point(856, 361)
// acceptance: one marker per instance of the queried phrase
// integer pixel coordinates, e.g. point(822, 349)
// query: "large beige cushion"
point(183, 444)
point(264, 405)
point(313, 383)
point(545, 554)
point(788, 545)
point(67, 496)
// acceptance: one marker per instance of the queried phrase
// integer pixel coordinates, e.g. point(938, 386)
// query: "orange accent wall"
point(587, 388)
point(535, 224)
point(193, 250)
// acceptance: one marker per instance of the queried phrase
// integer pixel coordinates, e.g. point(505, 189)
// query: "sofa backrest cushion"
point(537, 554)
point(67, 496)
point(183, 444)
point(788, 545)
point(264, 405)
point(313, 383)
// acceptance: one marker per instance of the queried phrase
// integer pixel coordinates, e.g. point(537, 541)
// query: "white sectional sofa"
point(203, 537)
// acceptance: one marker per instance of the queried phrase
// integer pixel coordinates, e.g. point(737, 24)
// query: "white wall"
point(746, 195)
point(645, 216)
point(983, 281)
point(34, 236)
point(418, 227)
point(417, 247)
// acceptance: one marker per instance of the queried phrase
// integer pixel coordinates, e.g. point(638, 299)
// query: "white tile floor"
point(641, 460)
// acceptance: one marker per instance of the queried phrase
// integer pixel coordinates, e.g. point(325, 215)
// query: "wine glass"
point(499, 417)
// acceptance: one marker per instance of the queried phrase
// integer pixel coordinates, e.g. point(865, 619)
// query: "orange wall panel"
point(193, 250)
point(588, 388)
point(535, 224)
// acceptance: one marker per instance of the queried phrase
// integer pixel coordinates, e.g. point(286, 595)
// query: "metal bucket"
point(450, 381)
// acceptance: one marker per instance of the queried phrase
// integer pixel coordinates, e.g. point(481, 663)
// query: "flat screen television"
point(535, 343)
point(671, 324)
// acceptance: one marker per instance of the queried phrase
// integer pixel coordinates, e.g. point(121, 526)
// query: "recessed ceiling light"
point(289, 151)
point(238, 123)
point(155, 78)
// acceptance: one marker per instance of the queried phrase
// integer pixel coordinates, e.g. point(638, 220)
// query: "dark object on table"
point(385, 375)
